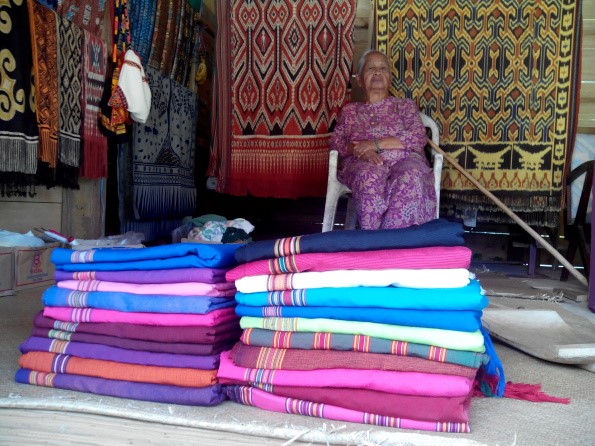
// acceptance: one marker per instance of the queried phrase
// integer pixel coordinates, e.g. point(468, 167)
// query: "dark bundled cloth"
point(154, 333)
point(439, 232)
point(134, 344)
point(18, 127)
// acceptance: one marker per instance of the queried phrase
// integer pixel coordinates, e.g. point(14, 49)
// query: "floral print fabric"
point(400, 192)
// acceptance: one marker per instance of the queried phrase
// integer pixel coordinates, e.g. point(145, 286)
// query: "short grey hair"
point(363, 59)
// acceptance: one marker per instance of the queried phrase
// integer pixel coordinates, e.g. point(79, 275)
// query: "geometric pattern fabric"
point(290, 67)
point(500, 78)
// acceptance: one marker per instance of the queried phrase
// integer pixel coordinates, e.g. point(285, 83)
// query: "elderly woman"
point(381, 151)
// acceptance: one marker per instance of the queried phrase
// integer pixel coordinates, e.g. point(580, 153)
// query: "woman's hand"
point(366, 151)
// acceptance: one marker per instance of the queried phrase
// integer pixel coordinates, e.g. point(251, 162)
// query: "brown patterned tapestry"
point(500, 78)
point(290, 62)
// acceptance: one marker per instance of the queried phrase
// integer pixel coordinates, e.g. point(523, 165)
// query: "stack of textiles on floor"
point(146, 324)
point(377, 327)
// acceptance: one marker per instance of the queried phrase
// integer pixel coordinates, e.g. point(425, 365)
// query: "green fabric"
point(457, 340)
point(196, 4)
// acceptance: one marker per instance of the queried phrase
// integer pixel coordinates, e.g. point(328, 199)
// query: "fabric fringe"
point(48, 146)
point(157, 201)
point(67, 176)
point(94, 153)
point(70, 150)
point(17, 184)
point(18, 155)
point(522, 391)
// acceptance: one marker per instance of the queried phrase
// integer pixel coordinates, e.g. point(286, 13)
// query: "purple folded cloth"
point(185, 335)
point(108, 353)
point(179, 275)
point(191, 396)
point(133, 344)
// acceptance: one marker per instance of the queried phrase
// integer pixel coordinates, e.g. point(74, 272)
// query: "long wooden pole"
point(512, 215)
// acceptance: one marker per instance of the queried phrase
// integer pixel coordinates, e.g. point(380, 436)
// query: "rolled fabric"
point(200, 396)
point(109, 353)
point(433, 257)
point(174, 289)
point(250, 396)
point(178, 275)
point(57, 363)
point(470, 297)
point(439, 232)
point(167, 319)
point(457, 340)
point(400, 383)
point(359, 343)
point(128, 302)
point(408, 278)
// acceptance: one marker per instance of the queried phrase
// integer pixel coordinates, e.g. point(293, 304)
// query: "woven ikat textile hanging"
point(500, 78)
point(288, 68)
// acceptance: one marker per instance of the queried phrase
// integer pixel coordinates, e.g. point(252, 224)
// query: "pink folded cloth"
point(170, 319)
point(435, 257)
point(224, 289)
point(402, 383)
point(250, 396)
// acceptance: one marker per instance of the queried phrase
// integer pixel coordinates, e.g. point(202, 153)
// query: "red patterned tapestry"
point(501, 80)
point(289, 63)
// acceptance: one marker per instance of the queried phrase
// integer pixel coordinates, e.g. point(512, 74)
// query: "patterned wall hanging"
point(500, 78)
point(18, 127)
point(289, 63)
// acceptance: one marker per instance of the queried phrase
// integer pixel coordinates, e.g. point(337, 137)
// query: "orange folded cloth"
point(57, 363)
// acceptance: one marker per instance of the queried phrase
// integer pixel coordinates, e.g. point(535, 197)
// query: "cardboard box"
point(6, 271)
point(29, 267)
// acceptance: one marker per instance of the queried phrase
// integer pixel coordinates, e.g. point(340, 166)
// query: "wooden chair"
point(575, 231)
point(335, 189)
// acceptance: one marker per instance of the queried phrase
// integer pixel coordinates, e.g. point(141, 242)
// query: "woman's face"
point(375, 75)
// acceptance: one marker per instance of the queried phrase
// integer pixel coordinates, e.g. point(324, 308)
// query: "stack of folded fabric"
point(146, 323)
point(377, 327)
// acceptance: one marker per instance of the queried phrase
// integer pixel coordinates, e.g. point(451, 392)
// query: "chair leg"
point(570, 254)
point(330, 208)
point(351, 217)
point(532, 259)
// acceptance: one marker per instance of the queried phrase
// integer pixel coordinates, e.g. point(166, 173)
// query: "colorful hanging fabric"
point(132, 92)
point(142, 22)
point(69, 90)
point(500, 78)
point(86, 14)
point(168, 21)
point(45, 63)
point(289, 79)
point(113, 120)
point(94, 61)
point(18, 127)
point(163, 148)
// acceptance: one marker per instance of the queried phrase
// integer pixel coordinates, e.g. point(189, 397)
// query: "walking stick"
point(512, 215)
